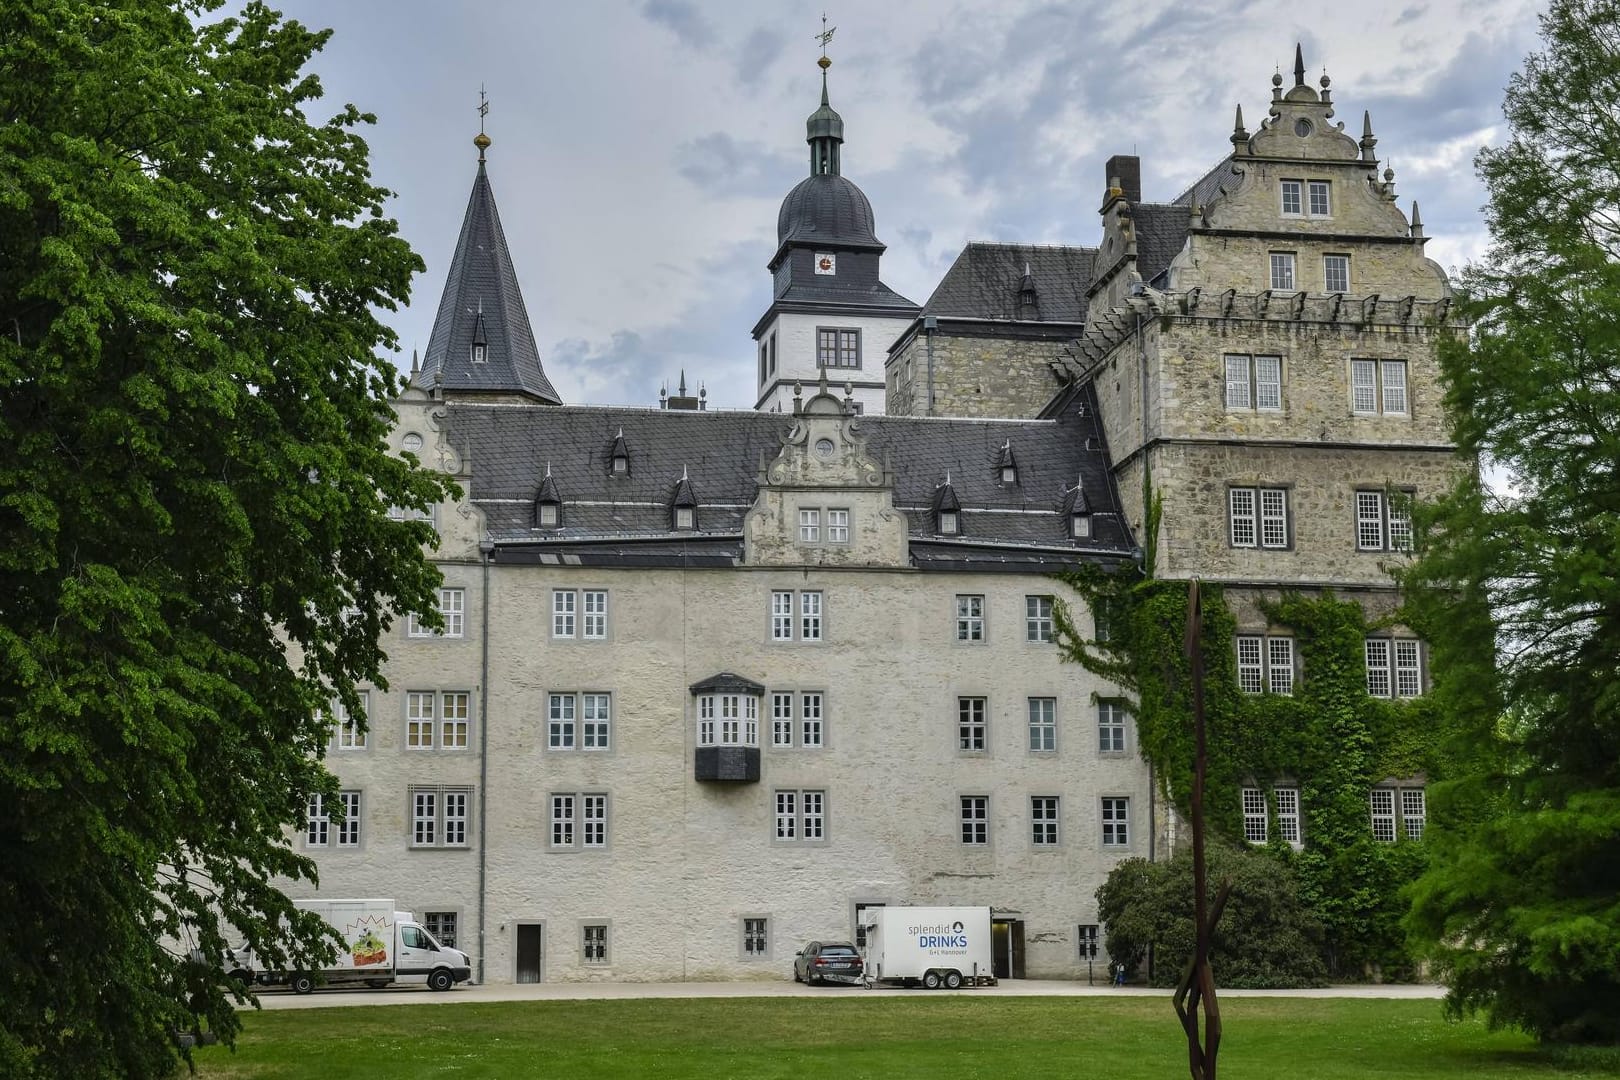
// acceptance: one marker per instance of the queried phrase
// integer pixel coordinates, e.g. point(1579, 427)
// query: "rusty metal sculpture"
point(1197, 986)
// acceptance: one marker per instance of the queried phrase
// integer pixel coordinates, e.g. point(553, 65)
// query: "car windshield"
point(838, 950)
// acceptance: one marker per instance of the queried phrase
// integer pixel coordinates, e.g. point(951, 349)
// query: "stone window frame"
point(1384, 519)
point(1289, 263)
point(973, 724)
point(1249, 381)
point(1259, 518)
point(798, 616)
point(595, 943)
point(1042, 730)
point(347, 737)
point(1113, 736)
point(1394, 667)
point(1403, 814)
point(1265, 663)
point(973, 820)
point(1327, 274)
point(1374, 390)
point(1045, 821)
point(1038, 624)
point(572, 817)
point(452, 609)
point(1115, 818)
point(971, 619)
point(754, 942)
point(1305, 191)
point(793, 820)
point(435, 823)
point(430, 728)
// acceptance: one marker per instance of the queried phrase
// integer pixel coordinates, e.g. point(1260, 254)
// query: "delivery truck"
point(381, 947)
point(929, 946)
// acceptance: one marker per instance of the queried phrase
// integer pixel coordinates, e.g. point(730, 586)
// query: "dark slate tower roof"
point(830, 210)
point(482, 306)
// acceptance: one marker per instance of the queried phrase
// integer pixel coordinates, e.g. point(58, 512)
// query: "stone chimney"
point(1127, 169)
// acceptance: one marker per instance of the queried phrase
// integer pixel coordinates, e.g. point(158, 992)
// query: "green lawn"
point(850, 1036)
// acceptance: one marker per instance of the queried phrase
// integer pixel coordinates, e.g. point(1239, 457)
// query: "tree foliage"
point(1520, 591)
point(1267, 937)
point(195, 551)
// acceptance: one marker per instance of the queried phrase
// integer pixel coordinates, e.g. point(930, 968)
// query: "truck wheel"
point(377, 984)
point(440, 980)
point(953, 980)
point(931, 980)
point(302, 983)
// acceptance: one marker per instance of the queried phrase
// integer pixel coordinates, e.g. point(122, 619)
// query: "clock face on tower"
point(826, 264)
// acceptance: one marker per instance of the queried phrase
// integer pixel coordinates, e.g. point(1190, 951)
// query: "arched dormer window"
point(947, 510)
point(684, 506)
point(619, 457)
point(548, 504)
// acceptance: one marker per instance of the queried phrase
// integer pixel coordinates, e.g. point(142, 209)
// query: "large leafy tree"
point(196, 554)
point(1519, 584)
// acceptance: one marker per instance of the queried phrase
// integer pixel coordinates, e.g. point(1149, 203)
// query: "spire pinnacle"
point(824, 131)
point(1299, 65)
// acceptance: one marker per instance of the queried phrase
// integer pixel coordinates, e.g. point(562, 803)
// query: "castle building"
point(711, 682)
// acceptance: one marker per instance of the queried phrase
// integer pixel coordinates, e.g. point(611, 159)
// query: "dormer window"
point(1006, 464)
point(683, 507)
point(480, 340)
point(479, 352)
point(949, 523)
point(947, 510)
point(548, 504)
point(550, 514)
point(1009, 474)
point(1078, 507)
point(621, 465)
point(1080, 525)
point(619, 457)
point(686, 517)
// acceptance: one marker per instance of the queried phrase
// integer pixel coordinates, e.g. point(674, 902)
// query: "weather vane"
point(483, 107)
point(826, 33)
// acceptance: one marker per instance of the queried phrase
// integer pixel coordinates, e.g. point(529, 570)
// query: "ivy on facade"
point(1329, 739)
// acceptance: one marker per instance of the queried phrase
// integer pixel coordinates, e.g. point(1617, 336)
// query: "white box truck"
point(381, 947)
point(931, 946)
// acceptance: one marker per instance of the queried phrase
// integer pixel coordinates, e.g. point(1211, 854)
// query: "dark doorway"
point(528, 952)
point(1007, 948)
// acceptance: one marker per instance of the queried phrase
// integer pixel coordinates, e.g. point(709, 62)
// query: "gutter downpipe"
point(486, 547)
point(930, 324)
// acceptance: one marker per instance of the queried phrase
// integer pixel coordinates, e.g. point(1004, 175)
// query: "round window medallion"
point(1302, 127)
point(412, 442)
point(824, 448)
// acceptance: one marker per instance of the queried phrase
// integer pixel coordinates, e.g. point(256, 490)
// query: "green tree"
point(1266, 938)
point(196, 555)
point(1518, 587)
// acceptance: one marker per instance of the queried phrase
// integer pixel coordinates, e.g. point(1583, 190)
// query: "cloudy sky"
point(642, 147)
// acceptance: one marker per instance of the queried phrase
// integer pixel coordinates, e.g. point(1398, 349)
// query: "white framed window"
point(455, 719)
point(1336, 273)
point(812, 730)
point(810, 526)
point(801, 816)
point(1381, 804)
point(1394, 667)
point(579, 820)
point(840, 348)
point(1258, 517)
point(452, 609)
point(1088, 936)
point(1288, 829)
point(728, 720)
point(1384, 521)
point(318, 825)
point(971, 724)
point(1293, 201)
point(782, 718)
point(579, 720)
point(1038, 619)
point(594, 944)
point(1265, 663)
point(1042, 725)
point(1253, 382)
point(756, 937)
point(400, 513)
point(1110, 727)
point(975, 820)
point(1413, 812)
point(685, 517)
point(1254, 815)
point(1378, 386)
point(564, 605)
point(348, 830)
point(1320, 203)
point(837, 526)
point(1282, 270)
point(808, 624)
point(439, 815)
point(438, 718)
point(349, 731)
point(1116, 821)
point(970, 618)
point(1043, 820)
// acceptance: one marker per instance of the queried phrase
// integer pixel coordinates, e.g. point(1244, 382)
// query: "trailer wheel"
point(302, 983)
point(440, 979)
point(931, 979)
point(953, 980)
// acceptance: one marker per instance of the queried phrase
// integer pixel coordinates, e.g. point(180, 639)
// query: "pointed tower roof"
point(482, 342)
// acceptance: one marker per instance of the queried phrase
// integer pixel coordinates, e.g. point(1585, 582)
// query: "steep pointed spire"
point(481, 313)
point(1417, 222)
point(1299, 65)
point(1368, 141)
point(1240, 134)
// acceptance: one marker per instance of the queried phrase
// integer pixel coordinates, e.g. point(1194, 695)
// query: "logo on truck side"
point(939, 936)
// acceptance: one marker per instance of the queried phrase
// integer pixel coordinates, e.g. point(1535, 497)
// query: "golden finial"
point(824, 37)
point(481, 140)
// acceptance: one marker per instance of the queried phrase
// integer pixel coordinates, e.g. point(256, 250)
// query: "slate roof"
point(1206, 187)
point(984, 282)
point(827, 209)
point(1161, 233)
point(816, 291)
point(483, 283)
point(627, 521)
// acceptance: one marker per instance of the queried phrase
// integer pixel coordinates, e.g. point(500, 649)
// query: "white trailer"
point(930, 946)
point(381, 947)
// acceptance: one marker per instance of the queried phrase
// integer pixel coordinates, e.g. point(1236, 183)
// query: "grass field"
point(850, 1037)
